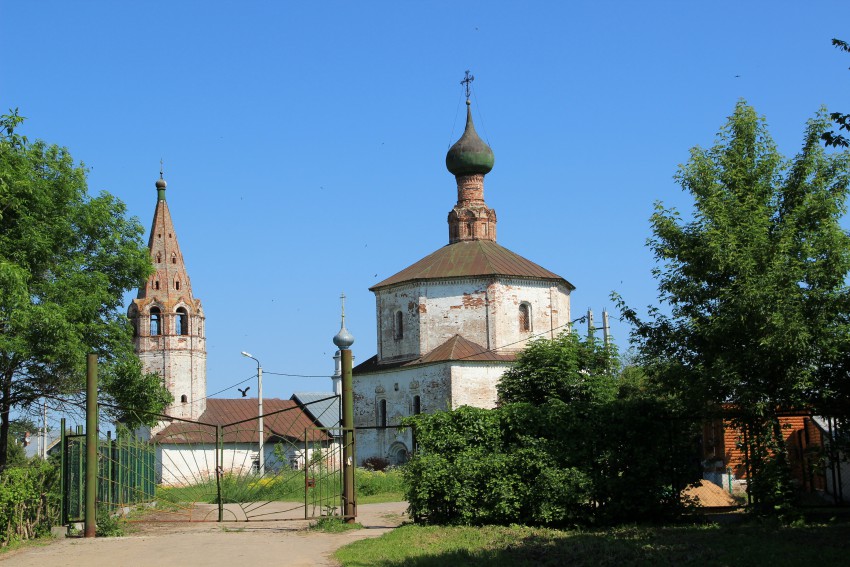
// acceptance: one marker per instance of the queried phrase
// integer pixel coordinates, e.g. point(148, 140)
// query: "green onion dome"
point(470, 155)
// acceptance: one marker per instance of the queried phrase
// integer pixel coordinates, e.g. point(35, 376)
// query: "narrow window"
point(177, 284)
point(417, 408)
point(156, 284)
point(156, 321)
point(173, 255)
point(158, 257)
point(524, 317)
point(469, 229)
point(382, 413)
point(399, 326)
point(184, 398)
point(182, 321)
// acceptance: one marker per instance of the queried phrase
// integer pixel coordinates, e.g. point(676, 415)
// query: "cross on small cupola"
point(467, 82)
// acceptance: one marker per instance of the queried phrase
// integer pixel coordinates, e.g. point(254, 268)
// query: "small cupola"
point(469, 155)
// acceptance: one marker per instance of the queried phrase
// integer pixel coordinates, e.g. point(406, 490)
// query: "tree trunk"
point(5, 408)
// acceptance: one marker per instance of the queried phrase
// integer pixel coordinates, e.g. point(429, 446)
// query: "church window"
point(184, 398)
point(177, 284)
point(156, 322)
point(173, 256)
point(182, 321)
point(156, 284)
point(158, 257)
point(417, 405)
point(525, 317)
point(382, 413)
point(469, 229)
point(398, 326)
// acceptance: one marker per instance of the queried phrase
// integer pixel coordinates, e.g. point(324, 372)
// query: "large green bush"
point(29, 504)
point(587, 444)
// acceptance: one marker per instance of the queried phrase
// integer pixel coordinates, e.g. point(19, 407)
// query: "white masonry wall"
point(482, 310)
point(440, 387)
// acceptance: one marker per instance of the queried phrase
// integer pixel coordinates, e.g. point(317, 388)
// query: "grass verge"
point(753, 543)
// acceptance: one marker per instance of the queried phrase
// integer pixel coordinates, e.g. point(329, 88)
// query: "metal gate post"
point(91, 446)
point(219, 459)
point(348, 437)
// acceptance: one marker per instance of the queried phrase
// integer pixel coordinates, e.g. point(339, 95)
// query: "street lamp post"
point(261, 465)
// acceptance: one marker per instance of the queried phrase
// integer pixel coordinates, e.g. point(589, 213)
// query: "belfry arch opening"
point(182, 321)
point(156, 321)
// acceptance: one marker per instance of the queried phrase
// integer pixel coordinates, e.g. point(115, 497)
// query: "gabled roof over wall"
point(456, 349)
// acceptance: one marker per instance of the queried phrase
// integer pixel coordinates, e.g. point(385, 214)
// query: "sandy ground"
point(231, 544)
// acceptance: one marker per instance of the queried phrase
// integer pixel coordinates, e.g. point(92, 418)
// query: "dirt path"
point(228, 544)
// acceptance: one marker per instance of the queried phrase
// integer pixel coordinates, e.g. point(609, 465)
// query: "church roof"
point(471, 258)
point(459, 348)
point(287, 420)
point(456, 348)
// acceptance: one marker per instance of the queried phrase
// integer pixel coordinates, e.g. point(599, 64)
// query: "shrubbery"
point(29, 504)
point(588, 445)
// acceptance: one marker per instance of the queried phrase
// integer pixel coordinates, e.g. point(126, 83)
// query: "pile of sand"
point(710, 495)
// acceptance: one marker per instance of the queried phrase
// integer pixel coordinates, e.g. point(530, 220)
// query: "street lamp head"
point(247, 354)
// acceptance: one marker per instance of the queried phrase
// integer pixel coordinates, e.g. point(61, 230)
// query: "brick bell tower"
point(168, 321)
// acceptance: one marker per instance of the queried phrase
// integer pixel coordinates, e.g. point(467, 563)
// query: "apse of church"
point(168, 321)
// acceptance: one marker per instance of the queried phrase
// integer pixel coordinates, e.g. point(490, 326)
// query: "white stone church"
point(450, 324)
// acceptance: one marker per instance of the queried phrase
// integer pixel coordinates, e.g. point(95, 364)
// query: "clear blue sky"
point(304, 142)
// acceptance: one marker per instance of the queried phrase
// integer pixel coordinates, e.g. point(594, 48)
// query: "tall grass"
point(376, 486)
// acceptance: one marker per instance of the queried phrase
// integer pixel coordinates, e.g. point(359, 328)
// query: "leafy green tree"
point(752, 283)
point(842, 120)
point(66, 259)
point(568, 368)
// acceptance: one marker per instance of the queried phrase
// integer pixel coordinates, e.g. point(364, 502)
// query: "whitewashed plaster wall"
point(474, 384)
point(184, 465)
point(440, 387)
point(482, 310)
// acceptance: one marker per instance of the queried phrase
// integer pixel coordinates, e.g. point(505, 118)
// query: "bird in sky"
point(245, 391)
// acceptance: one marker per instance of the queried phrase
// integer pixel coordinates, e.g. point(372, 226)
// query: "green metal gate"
point(194, 471)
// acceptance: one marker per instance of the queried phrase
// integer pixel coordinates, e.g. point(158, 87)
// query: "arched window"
point(156, 322)
point(382, 413)
point(417, 405)
point(177, 284)
point(158, 257)
point(524, 317)
point(182, 321)
point(398, 326)
point(469, 229)
point(184, 398)
point(173, 255)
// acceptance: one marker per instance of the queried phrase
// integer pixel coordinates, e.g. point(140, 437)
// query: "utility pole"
point(606, 329)
point(261, 458)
